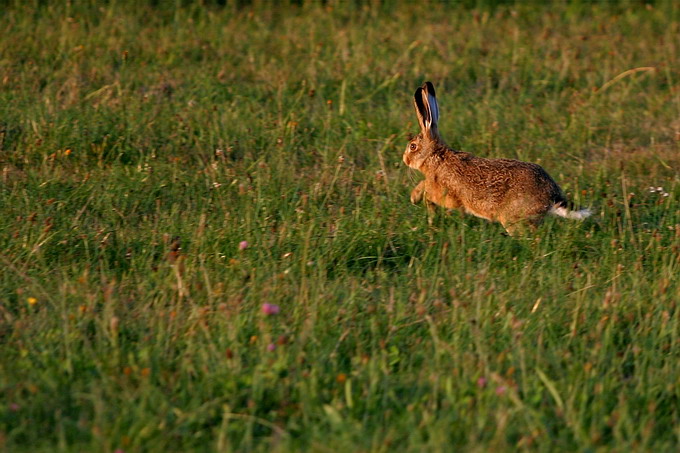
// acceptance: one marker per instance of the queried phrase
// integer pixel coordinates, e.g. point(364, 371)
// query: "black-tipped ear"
point(421, 110)
point(429, 88)
point(430, 101)
point(427, 109)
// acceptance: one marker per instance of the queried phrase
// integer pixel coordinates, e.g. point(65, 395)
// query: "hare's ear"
point(427, 109)
point(431, 102)
point(421, 111)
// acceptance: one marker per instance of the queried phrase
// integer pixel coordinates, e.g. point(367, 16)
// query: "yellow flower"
point(32, 301)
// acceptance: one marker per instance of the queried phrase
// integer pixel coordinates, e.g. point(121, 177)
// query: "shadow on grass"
point(373, 250)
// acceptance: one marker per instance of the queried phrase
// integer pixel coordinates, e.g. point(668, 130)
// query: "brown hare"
point(508, 191)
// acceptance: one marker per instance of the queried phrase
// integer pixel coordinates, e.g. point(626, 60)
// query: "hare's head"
point(427, 111)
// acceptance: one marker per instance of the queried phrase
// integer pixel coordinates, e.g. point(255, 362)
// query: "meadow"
point(207, 244)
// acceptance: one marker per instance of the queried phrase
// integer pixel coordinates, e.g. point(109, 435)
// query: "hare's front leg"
point(417, 195)
point(418, 192)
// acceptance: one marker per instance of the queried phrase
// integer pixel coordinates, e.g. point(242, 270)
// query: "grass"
point(140, 146)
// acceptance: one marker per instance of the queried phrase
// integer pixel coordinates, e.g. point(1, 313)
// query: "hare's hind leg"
point(519, 226)
point(514, 229)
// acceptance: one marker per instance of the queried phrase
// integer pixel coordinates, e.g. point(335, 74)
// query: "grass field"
point(172, 176)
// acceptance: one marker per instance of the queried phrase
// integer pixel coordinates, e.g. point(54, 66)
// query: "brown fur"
point(508, 191)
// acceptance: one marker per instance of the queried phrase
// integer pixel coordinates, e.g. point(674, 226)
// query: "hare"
point(508, 191)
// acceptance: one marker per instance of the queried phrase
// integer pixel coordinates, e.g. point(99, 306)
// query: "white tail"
point(567, 214)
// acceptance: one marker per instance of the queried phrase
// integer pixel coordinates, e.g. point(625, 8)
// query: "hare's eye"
point(413, 146)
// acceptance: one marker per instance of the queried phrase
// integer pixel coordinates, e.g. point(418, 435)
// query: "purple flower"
point(500, 390)
point(243, 245)
point(270, 309)
point(14, 407)
point(271, 347)
point(481, 382)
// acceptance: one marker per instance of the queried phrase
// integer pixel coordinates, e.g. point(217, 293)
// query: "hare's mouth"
point(412, 160)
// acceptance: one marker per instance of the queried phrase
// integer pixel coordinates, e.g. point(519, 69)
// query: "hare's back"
point(499, 178)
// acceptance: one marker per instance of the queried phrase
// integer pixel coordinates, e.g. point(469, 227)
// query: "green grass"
point(140, 145)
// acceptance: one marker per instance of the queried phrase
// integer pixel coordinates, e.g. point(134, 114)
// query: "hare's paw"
point(417, 193)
